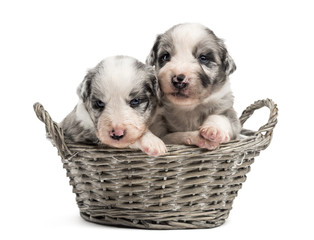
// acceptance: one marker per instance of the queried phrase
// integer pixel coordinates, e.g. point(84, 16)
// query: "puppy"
point(193, 68)
point(117, 101)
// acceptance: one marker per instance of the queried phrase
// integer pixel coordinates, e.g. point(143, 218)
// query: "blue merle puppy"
point(193, 68)
point(117, 103)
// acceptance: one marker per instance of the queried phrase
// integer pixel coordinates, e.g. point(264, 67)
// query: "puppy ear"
point(84, 89)
point(154, 83)
point(156, 87)
point(152, 57)
point(227, 61)
point(229, 64)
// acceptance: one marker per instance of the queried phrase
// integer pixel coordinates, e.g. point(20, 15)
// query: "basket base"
point(153, 225)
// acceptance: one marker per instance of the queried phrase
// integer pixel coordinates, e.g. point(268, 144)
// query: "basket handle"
point(53, 130)
point(272, 121)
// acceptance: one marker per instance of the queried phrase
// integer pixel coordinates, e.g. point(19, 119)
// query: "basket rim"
point(248, 140)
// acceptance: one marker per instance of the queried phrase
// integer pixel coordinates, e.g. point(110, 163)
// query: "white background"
point(46, 48)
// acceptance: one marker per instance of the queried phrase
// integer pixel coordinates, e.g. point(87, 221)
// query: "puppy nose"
point(117, 134)
point(180, 77)
point(178, 81)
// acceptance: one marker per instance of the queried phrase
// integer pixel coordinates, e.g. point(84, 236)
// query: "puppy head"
point(121, 95)
point(191, 63)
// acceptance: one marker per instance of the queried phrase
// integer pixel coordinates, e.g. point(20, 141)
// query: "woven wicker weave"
point(188, 188)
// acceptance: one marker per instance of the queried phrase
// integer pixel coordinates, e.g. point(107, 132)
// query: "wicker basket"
point(188, 188)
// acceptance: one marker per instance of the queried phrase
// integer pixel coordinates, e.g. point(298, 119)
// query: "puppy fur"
point(193, 68)
point(117, 101)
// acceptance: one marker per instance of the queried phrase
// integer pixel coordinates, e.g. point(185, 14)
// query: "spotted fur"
point(193, 68)
point(117, 103)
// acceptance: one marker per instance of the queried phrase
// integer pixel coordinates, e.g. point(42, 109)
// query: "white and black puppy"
point(117, 101)
point(193, 66)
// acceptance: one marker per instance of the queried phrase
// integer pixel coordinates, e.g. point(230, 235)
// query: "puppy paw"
point(154, 147)
point(198, 140)
point(151, 145)
point(214, 134)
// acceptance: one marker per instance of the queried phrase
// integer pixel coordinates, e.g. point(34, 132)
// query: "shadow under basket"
point(187, 188)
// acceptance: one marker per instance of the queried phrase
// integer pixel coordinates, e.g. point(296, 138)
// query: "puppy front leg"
point(189, 138)
point(217, 128)
point(150, 144)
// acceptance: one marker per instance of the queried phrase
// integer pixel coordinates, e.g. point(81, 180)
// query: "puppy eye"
point(165, 57)
point(203, 59)
point(206, 58)
point(99, 104)
point(135, 102)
